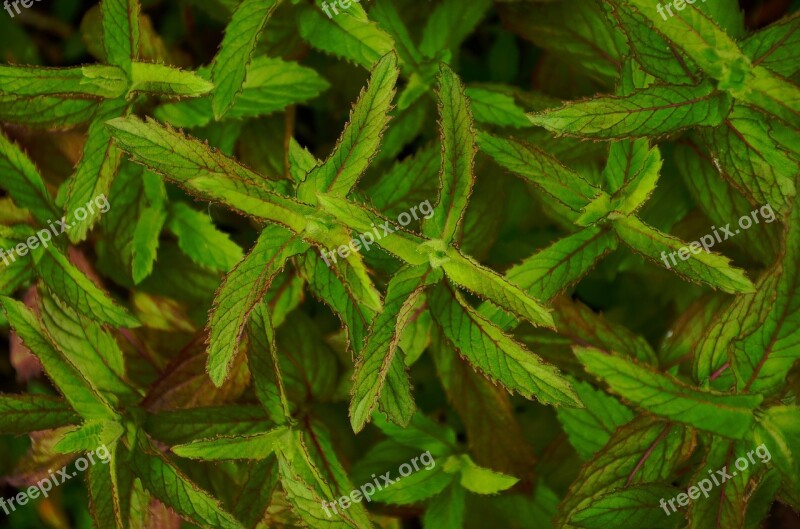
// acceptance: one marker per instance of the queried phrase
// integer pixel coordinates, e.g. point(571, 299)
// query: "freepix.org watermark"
point(680, 5)
point(44, 486)
point(366, 240)
point(25, 3)
point(715, 479)
point(708, 241)
point(343, 5)
point(43, 237)
point(381, 482)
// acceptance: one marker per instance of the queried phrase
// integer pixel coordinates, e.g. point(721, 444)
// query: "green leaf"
point(738, 318)
point(95, 172)
point(421, 433)
point(251, 503)
point(241, 290)
point(182, 426)
point(238, 447)
point(389, 19)
point(46, 111)
point(590, 428)
point(71, 286)
point(651, 49)
point(362, 220)
point(710, 268)
point(565, 186)
point(778, 431)
point(702, 40)
point(349, 35)
point(148, 227)
point(556, 267)
point(92, 350)
point(24, 183)
point(159, 79)
point(310, 475)
point(262, 355)
point(446, 509)
point(652, 111)
point(632, 172)
point(630, 508)
point(408, 183)
point(726, 504)
point(75, 388)
point(643, 451)
point(374, 367)
point(271, 85)
point(772, 46)
point(30, 413)
point(495, 354)
point(199, 238)
point(496, 108)
point(581, 38)
point(762, 357)
point(415, 488)
point(173, 488)
point(488, 284)
point(726, 415)
point(458, 158)
point(360, 139)
point(229, 69)
point(110, 491)
point(347, 290)
point(747, 157)
point(209, 174)
point(90, 435)
point(91, 80)
point(582, 325)
point(132, 228)
point(482, 480)
point(703, 180)
point(301, 162)
point(450, 23)
point(773, 94)
point(121, 31)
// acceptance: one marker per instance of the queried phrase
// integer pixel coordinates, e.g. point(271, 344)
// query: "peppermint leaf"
point(360, 139)
point(350, 34)
point(590, 428)
point(30, 413)
point(771, 46)
point(72, 384)
point(241, 291)
point(46, 111)
point(253, 446)
point(641, 452)
point(71, 286)
point(725, 415)
point(652, 111)
point(709, 268)
point(200, 239)
point(24, 182)
point(229, 69)
point(171, 486)
point(374, 366)
point(95, 172)
point(91, 80)
point(495, 354)
point(164, 80)
point(458, 153)
point(121, 31)
point(271, 85)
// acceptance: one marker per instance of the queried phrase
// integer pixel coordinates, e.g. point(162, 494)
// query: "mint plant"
point(527, 336)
